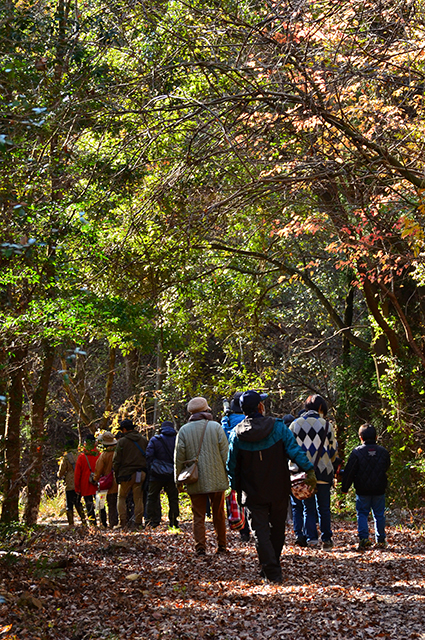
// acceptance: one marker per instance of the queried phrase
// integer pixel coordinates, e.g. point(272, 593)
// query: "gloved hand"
point(311, 479)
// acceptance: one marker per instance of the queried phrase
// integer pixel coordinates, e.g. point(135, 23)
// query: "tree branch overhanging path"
point(289, 271)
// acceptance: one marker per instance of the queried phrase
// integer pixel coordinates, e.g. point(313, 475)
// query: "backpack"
point(163, 470)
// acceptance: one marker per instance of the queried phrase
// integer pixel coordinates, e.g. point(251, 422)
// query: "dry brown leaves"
point(149, 585)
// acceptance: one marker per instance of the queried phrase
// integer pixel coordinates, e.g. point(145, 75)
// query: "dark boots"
point(80, 511)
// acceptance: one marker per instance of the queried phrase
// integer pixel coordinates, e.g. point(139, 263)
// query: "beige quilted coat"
point(212, 459)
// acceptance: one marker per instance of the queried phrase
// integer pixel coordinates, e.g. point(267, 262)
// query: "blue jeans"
point(297, 517)
point(319, 504)
point(363, 506)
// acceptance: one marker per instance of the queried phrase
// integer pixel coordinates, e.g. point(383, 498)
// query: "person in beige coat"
point(103, 468)
point(212, 481)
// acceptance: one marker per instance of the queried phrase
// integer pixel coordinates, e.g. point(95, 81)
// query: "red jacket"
point(82, 473)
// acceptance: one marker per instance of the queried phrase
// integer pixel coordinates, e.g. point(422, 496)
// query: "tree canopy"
point(226, 195)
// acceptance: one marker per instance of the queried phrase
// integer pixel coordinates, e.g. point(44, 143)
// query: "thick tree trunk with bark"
point(37, 433)
point(108, 387)
point(131, 368)
point(12, 454)
point(3, 390)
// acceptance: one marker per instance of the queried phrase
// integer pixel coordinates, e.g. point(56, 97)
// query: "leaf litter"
point(83, 584)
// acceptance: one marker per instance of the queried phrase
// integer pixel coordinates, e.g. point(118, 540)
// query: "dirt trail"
point(86, 584)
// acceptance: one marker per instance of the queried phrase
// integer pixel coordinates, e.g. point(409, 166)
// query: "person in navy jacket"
point(161, 447)
point(367, 468)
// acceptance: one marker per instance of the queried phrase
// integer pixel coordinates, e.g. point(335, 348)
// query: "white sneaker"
point(312, 543)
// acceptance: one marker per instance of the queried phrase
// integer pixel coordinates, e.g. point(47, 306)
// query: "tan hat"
point(107, 439)
point(198, 404)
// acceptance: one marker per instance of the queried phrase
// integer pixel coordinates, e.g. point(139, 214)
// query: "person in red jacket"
point(84, 470)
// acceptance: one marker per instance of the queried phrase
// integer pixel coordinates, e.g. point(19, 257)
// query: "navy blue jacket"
point(367, 467)
point(162, 446)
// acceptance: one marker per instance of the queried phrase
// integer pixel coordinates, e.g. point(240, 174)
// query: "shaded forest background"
point(198, 198)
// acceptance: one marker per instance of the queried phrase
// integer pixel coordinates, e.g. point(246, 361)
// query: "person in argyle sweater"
point(311, 429)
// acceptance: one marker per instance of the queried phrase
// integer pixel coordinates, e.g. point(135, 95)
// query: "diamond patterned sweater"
point(309, 431)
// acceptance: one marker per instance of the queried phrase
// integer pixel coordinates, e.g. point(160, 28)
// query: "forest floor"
point(81, 584)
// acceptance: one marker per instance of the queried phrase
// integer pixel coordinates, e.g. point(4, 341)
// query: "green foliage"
point(15, 533)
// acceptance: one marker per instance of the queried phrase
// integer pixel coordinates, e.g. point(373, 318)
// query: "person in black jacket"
point(367, 468)
point(161, 449)
point(257, 467)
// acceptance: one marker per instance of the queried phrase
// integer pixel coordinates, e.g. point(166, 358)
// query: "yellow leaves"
point(307, 123)
point(409, 227)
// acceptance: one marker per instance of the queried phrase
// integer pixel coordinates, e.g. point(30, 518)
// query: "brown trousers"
point(199, 507)
point(123, 491)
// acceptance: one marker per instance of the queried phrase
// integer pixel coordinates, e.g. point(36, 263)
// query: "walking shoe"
point(327, 544)
point(221, 550)
point(277, 580)
point(364, 544)
point(301, 542)
point(312, 543)
point(381, 545)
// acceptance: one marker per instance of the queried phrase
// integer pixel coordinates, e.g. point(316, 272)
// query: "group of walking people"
point(254, 453)
point(120, 463)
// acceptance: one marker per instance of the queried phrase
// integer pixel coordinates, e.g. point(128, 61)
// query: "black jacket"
point(367, 468)
point(257, 465)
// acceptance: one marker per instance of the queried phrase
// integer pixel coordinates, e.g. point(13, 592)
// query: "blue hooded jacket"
point(230, 421)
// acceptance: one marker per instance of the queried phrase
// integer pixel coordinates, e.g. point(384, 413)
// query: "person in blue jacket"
point(233, 416)
point(258, 471)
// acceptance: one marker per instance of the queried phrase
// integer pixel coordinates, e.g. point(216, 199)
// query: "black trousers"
point(153, 506)
point(267, 523)
point(111, 500)
point(91, 513)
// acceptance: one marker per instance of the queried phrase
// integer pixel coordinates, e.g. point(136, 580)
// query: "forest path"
point(83, 584)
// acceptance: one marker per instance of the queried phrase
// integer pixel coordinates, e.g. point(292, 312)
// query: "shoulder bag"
point(300, 489)
point(91, 476)
point(189, 473)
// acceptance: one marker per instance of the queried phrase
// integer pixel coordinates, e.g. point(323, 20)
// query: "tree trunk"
point(3, 390)
point(37, 433)
point(12, 456)
point(108, 388)
point(131, 360)
point(159, 379)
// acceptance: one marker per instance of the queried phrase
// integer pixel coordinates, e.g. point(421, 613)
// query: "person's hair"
point(127, 424)
point(316, 402)
point(367, 432)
